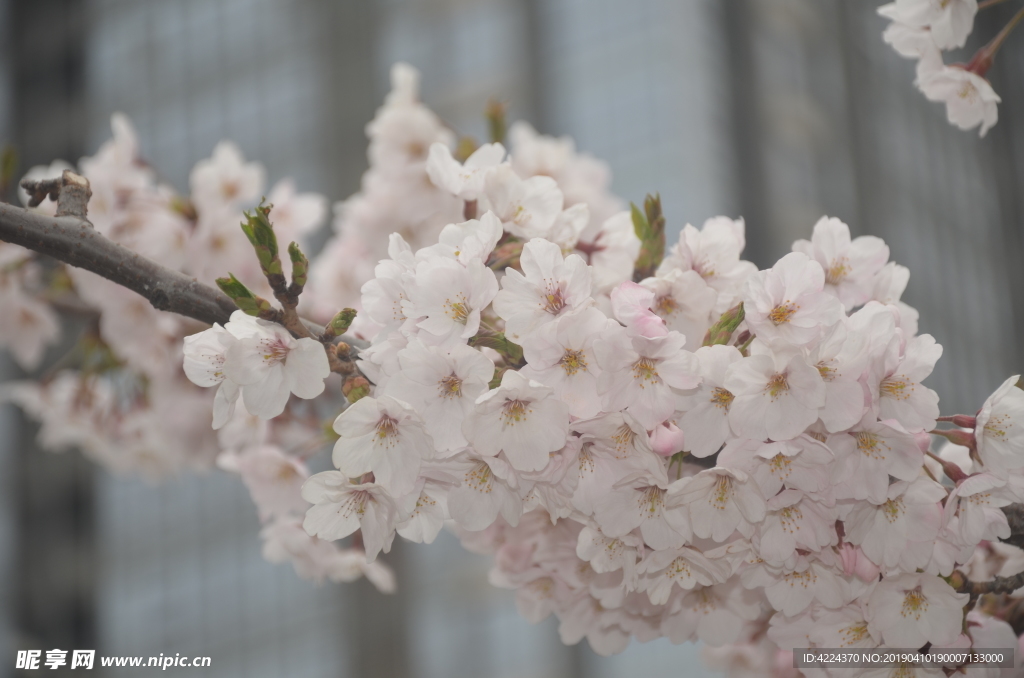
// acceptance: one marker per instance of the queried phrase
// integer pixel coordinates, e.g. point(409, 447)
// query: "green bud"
point(260, 232)
point(497, 121)
point(355, 388)
point(511, 352)
point(649, 227)
point(721, 331)
point(300, 265)
point(243, 296)
point(340, 323)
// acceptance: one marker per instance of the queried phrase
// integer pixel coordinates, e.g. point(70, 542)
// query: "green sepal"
point(721, 332)
point(243, 296)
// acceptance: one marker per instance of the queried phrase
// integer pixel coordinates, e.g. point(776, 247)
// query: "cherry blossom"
point(910, 609)
point(561, 355)
point(341, 507)
point(521, 418)
point(269, 364)
point(773, 397)
point(383, 436)
point(549, 287)
point(641, 374)
point(969, 98)
point(1000, 434)
point(787, 303)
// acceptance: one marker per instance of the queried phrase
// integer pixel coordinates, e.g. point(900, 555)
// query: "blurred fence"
point(776, 110)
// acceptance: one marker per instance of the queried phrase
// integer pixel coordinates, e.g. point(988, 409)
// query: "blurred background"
point(775, 110)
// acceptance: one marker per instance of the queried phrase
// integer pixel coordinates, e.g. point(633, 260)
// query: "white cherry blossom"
point(561, 355)
point(463, 179)
point(773, 397)
point(549, 287)
point(270, 365)
point(640, 374)
point(441, 385)
point(787, 304)
point(341, 507)
point(909, 610)
point(521, 418)
point(1000, 428)
point(383, 436)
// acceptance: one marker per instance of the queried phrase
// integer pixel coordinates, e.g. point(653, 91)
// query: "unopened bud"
point(355, 388)
point(343, 350)
point(342, 321)
point(721, 331)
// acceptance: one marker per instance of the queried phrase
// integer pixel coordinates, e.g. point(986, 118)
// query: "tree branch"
point(73, 240)
point(997, 585)
point(1015, 519)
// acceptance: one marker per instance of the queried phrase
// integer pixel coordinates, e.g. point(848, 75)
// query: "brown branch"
point(997, 585)
point(73, 240)
point(1015, 519)
point(70, 238)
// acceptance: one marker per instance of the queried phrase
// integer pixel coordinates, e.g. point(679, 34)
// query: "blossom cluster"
point(124, 399)
point(650, 442)
point(922, 30)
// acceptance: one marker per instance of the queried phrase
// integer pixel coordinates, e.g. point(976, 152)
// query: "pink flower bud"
point(667, 439)
point(855, 562)
point(631, 304)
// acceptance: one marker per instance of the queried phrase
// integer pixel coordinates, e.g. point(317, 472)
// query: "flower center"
point(354, 502)
point(450, 387)
point(651, 500)
point(839, 269)
point(679, 569)
point(778, 385)
point(666, 306)
point(644, 370)
point(854, 633)
point(554, 300)
point(387, 431)
point(721, 398)
point(782, 313)
point(274, 350)
point(996, 427)
point(870, 445)
point(586, 458)
point(789, 518)
point(914, 604)
point(624, 440)
point(780, 466)
point(722, 493)
point(572, 362)
point(457, 309)
point(514, 411)
point(827, 372)
point(895, 387)
point(480, 478)
point(893, 509)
